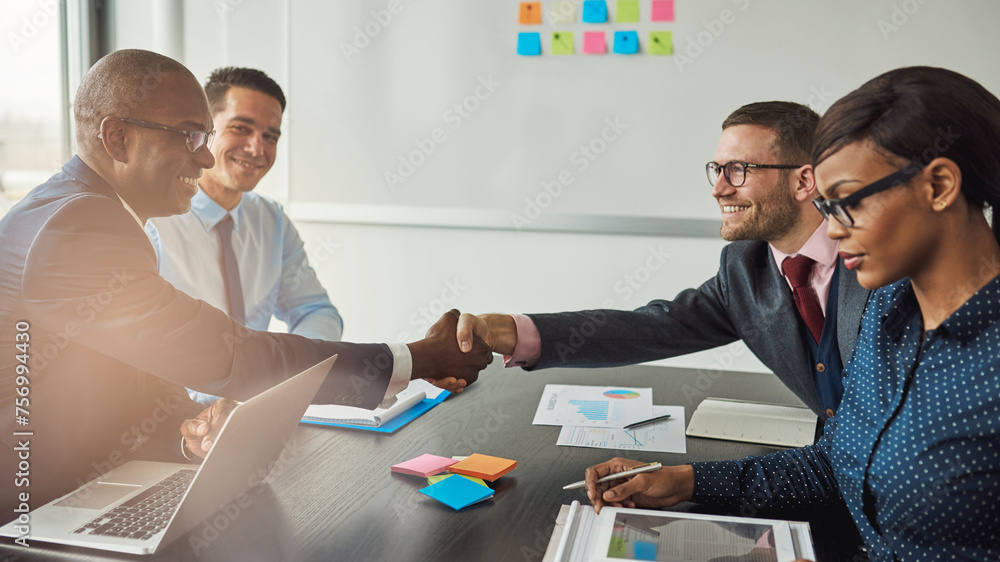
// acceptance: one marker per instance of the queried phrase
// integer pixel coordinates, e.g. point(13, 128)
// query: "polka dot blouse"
point(913, 451)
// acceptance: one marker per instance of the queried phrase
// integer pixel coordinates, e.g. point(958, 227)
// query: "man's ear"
point(803, 183)
point(112, 137)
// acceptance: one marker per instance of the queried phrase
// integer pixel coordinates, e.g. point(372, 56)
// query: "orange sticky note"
point(531, 12)
point(483, 466)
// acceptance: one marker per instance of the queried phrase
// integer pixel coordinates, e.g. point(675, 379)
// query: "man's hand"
point(451, 384)
point(497, 330)
point(438, 356)
point(200, 433)
point(661, 488)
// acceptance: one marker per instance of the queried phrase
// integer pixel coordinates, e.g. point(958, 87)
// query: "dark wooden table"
point(332, 497)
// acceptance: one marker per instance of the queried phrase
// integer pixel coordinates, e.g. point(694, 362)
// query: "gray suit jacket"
point(747, 300)
point(110, 342)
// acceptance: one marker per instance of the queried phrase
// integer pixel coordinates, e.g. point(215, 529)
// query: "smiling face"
point(246, 141)
point(161, 175)
point(894, 234)
point(764, 207)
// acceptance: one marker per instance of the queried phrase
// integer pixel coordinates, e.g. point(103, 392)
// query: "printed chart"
point(666, 436)
point(593, 406)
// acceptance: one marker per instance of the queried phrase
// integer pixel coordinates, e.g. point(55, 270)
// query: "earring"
point(940, 205)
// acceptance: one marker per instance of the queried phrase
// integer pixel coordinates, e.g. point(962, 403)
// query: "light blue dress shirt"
point(914, 450)
point(275, 274)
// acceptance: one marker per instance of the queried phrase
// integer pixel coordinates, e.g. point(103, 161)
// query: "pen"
point(637, 470)
point(645, 422)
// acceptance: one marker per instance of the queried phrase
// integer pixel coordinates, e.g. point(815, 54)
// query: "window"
point(33, 126)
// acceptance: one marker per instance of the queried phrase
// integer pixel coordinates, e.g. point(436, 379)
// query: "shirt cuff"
point(528, 349)
point(402, 369)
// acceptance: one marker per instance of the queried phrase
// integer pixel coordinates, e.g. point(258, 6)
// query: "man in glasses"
point(779, 288)
point(234, 249)
point(98, 345)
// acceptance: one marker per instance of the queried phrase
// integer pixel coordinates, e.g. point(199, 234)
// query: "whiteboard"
point(437, 84)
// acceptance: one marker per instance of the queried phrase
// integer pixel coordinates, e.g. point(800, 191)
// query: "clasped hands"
point(438, 358)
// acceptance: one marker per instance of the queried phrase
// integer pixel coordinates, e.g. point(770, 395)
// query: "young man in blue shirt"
point(267, 264)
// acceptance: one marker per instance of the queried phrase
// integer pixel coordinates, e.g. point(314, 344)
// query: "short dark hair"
point(222, 79)
point(794, 125)
point(919, 113)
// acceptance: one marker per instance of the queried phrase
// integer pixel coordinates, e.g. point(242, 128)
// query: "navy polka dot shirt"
point(914, 450)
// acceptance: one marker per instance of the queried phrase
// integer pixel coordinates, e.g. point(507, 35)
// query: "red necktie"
point(797, 270)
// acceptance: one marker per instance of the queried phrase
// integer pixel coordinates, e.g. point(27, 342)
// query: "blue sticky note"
point(529, 44)
point(644, 550)
point(595, 11)
point(457, 493)
point(626, 42)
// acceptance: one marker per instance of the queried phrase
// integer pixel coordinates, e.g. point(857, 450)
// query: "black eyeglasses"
point(195, 139)
point(837, 208)
point(736, 172)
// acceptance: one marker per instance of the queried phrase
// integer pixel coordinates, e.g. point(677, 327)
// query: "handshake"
point(458, 346)
point(451, 355)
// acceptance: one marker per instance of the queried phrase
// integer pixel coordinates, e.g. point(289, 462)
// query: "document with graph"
point(593, 406)
point(666, 436)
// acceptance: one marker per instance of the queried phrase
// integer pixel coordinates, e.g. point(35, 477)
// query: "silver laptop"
point(142, 506)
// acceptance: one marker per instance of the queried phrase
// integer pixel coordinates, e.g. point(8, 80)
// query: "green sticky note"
point(628, 11)
point(562, 42)
point(661, 43)
point(617, 548)
point(439, 477)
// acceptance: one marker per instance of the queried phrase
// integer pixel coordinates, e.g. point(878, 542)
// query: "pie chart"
point(622, 394)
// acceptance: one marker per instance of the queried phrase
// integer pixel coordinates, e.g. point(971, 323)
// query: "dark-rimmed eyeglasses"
point(837, 208)
point(195, 139)
point(736, 172)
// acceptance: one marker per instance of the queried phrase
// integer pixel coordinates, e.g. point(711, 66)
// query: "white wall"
point(390, 282)
point(383, 278)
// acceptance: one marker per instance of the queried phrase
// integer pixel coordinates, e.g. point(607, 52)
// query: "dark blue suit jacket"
point(747, 300)
point(112, 343)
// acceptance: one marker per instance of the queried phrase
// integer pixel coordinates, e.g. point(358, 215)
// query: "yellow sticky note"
point(562, 43)
point(563, 11)
point(628, 11)
point(439, 477)
point(661, 43)
point(531, 13)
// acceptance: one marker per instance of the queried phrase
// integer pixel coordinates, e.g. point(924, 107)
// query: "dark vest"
point(825, 356)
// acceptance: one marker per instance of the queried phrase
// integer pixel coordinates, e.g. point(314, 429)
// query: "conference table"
point(331, 495)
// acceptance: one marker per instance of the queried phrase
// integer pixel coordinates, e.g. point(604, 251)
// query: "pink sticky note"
point(593, 43)
point(663, 10)
point(425, 465)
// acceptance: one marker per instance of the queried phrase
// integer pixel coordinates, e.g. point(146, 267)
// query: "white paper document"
point(640, 534)
point(666, 436)
point(406, 399)
point(593, 406)
point(753, 422)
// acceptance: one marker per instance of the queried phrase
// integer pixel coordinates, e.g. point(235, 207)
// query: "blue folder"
point(397, 422)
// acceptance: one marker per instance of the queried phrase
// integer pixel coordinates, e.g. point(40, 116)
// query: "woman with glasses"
point(906, 165)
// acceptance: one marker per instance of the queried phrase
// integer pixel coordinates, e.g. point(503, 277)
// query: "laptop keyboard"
point(144, 515)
